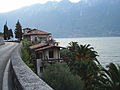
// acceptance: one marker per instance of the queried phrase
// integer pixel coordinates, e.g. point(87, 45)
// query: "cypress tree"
point(6, 36)
point(18, 31)
point(10, 33)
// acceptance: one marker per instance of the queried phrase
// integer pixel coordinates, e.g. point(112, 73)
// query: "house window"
point(37, 55)
point(35, 38)
point(51, 54)
point(41, 69)
point(41, 56)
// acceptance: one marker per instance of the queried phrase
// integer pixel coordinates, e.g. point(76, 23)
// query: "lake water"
point(108, 48)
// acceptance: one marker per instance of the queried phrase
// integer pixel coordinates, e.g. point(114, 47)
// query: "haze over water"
point(108, 48)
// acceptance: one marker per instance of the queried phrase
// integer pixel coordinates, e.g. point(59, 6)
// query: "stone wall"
point(1, 40)
point(23, 77)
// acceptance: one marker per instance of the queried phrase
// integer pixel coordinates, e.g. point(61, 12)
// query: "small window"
point(41, 69)
point(37, 55)
point(51, 54)
point(35, 38)
point(41, 56)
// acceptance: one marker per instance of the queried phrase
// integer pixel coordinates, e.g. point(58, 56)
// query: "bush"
point(59, 77)
point(82, 61)
point(26, 57)
point(1, 34)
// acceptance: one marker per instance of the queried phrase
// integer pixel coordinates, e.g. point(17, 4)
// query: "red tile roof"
point(38, 45)
point(36, 32)
point(27, 29)
point(48, 47)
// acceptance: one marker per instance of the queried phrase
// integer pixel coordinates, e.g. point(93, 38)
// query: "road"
point(5, 52)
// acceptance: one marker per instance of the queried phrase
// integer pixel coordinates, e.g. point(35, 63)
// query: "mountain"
point(87, 18)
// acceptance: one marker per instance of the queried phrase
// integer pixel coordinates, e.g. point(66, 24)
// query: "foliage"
point(6, 33)
point(83, 52)
point(18, 31)
point(111, 77)
point(26, 44)
point(26, 57)
point(1, 34)
point(10, 33)
point(59, 77)
point(83, 62)
point(66, 55)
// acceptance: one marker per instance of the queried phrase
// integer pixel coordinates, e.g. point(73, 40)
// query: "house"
point(45, 49)
point(35, 36)
point(45, 52)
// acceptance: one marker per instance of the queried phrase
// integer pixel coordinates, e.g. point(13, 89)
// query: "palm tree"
point(83, 52)
point(73, 46)
point(83, 63)
point(112, 76)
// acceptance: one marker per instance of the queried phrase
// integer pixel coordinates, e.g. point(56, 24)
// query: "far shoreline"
point(87, 37)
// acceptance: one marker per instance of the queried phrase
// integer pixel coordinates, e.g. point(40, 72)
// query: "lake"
point(108, 48)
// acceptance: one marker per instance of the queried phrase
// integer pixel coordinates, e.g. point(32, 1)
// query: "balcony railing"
point(53, 60)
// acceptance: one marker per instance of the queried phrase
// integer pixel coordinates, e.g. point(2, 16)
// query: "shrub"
point(59, 77)
point(26, 57)
point(1, 34)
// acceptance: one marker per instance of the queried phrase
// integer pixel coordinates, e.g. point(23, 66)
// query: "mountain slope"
point(66, 19)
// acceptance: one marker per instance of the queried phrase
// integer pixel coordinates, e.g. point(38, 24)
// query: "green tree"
point(82, 52)
point(26, 55)
point(1, 34)
point(18, 31)
point(6, 33)
point(10, 33)
point(59, 77)
point(82, 60)
point(111, 77)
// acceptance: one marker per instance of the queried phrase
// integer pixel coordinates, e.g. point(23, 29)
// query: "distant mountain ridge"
point(65, 19)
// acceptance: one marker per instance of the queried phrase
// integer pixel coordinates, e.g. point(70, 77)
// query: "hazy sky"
point(9, 5)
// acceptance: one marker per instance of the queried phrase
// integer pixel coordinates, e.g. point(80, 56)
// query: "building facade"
point(45, 49)
point(45, 52)
point(35, 36)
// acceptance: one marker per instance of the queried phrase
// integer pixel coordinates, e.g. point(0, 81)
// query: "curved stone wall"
point(23, 77)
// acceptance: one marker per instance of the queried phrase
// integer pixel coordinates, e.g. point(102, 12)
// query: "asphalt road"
point(5, 52)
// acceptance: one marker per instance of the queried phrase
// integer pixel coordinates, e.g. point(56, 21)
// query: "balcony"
point(52, 61)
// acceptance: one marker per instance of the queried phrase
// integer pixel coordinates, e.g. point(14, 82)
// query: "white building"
point(35, 36)
point(45, 52)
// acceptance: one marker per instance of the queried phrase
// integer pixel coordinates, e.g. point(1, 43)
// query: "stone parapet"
point(23, 77)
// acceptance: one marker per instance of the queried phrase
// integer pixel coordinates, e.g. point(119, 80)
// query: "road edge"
point(5, 77)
